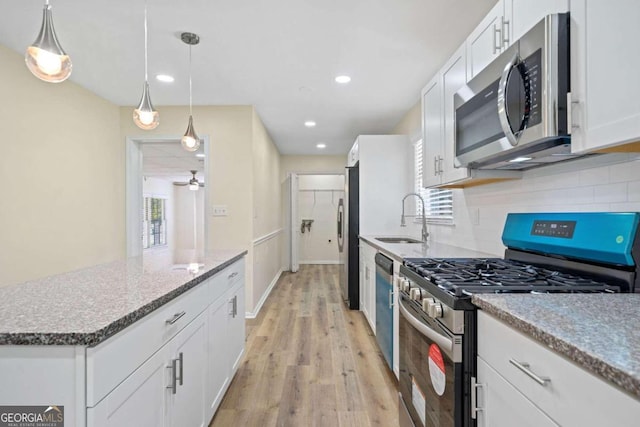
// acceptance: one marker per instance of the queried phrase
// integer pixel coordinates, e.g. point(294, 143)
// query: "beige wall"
point(411, 123)
point(230, 176)
point(267, 215)
point(312, 164)
point(61, 176)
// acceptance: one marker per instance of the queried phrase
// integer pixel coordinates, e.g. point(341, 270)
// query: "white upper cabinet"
point(522, 15)
point(454, 76)
point(506, 22)
point(486, 42)
point(605, 59)
point(432, 148)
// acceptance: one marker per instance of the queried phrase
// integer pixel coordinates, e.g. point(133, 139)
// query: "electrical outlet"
point(219, 210)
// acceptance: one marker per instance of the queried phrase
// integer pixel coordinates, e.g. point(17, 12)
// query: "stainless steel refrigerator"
point(348, 230)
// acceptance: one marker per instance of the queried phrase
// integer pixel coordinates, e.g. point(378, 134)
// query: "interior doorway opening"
point(311, 207)
point(167, 199)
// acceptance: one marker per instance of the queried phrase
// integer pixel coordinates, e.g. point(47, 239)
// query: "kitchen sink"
point(398, 240)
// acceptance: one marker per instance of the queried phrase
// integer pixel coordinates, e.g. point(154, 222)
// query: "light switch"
point(219, 210)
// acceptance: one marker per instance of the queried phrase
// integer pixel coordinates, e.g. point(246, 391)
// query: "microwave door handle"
point(444, 342)
point(502, 100)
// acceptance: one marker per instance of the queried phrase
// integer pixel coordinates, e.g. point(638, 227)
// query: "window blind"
point(438, 202)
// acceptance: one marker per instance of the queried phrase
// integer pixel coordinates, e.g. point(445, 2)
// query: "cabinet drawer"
point(114, 359)
point(222, 281)
point(572, 396)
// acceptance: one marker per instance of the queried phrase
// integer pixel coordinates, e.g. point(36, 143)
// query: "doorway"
point(311, 206)
point(166, 199)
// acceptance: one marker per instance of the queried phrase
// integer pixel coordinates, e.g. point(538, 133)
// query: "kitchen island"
point(144, 341)
point(573, 356)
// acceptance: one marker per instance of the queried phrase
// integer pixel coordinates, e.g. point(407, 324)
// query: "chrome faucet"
point(425, 233)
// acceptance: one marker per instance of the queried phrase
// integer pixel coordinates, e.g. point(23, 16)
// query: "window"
point(154, 222)
point(439, 203)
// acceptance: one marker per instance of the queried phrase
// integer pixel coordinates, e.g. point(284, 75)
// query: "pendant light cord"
point(145, 42)
point(190, 87)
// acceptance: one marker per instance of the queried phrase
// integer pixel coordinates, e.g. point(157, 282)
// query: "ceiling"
point(280, 56)
point(169, 161)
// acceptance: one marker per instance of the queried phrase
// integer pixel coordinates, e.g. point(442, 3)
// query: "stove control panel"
point(434, 309)
point(416, 294)
point(563, 229)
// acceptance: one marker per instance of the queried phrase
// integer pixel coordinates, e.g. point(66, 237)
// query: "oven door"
point(431, 374)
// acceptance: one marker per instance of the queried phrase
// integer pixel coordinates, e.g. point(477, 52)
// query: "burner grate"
point(463, 276)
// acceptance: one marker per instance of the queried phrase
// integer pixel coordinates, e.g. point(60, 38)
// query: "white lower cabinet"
point(141, 399)
point(182, 383)
point(226, 332)
point(516, 373)
point(368, 280)
point(504, 406)
point(187, 382)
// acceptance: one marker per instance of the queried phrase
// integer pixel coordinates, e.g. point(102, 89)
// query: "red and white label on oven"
point(436, 369)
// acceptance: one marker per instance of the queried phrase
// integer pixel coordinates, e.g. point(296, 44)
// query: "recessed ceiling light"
point(200, 155)
point(165, 78)
point(343, 79)
point(309, 123)
point(321, 145)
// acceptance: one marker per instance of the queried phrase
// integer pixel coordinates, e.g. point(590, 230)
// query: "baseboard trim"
point(254, 314)
point(323, 262)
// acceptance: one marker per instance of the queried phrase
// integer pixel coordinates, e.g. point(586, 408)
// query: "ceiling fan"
point(193, 183)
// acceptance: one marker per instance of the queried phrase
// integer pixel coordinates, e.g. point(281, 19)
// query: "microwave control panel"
point(530, 69)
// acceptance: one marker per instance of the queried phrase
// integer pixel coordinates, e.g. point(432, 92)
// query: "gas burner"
point(465, 276)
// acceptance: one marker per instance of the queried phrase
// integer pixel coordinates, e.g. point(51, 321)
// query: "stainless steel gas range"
point(546, 253)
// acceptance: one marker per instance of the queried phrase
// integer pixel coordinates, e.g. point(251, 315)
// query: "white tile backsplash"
point(606, 183)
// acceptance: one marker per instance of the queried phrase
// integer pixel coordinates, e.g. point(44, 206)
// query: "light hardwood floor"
point(310, 361)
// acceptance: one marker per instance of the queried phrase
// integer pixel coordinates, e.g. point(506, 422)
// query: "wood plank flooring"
point(310, 361)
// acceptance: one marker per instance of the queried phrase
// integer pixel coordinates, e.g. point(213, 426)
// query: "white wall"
point(163, 189)
point(606, 183)
point(188, 209)
point(318, 198)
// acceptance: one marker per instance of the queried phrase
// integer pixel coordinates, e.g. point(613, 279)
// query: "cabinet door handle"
point(524, 367)
point(173, 385)
point(505, 32)
point(571, 103)
point(390, 298)
point(235, 305)
point(440, 170)
point(232, 275)
point(181, 360)
point(474, 398)
point(230, 312)
point(496, 39)
point(175, 318)
point(435, 165)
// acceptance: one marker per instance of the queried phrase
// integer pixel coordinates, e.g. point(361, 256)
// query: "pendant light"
point(45, 58)
point(190, 140)
point(144, 116)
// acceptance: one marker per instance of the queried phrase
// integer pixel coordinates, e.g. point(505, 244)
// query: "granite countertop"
point(598, 332)
point(87, 306)
point(398, 251)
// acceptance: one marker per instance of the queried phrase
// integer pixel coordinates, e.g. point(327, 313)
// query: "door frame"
point(134, 194)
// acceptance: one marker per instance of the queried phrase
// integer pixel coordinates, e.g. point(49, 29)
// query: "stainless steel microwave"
point(513, 114)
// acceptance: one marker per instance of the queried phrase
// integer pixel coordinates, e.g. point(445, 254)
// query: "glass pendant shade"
point(45, 58)
point(144, 116)
point(190, 140)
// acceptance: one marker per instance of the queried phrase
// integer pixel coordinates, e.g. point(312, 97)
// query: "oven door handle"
point(444, 342)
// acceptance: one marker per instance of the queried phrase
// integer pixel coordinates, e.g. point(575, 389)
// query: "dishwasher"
point(384, 306)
